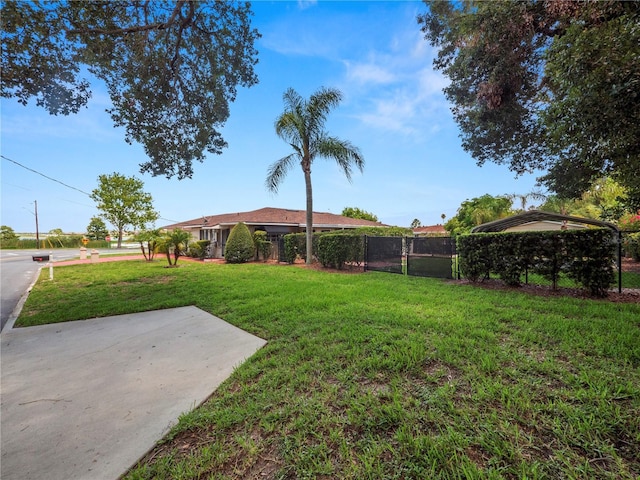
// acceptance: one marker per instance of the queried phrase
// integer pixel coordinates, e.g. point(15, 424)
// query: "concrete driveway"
point(87, 399)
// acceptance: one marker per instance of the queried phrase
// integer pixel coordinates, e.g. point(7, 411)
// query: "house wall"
point(219, 236)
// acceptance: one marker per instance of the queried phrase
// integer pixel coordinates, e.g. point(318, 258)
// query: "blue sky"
point(393, 110)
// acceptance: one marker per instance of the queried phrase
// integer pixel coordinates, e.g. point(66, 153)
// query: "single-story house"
point(277, 222)
point(537, 220)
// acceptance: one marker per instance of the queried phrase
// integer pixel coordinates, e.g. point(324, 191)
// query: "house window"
point(211, 235)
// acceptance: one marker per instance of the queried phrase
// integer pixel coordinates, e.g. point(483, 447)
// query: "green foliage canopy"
point(477, 211)
point(355, 212)
point(123, 202)
point(604, 200)
point(152, 238)
point(7, 234)
point(544, 85)
point(97, 230)
point(171, 67)
point(176, 241)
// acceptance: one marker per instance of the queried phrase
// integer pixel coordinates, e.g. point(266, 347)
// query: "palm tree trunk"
point(309, 236)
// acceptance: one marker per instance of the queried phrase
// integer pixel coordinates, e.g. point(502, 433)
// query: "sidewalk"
point(100, 259)
point(87, 399)
point(117, 258)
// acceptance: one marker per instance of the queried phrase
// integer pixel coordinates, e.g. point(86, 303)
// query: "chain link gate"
point(384, 254)
point(431, 257)
point(418, 256)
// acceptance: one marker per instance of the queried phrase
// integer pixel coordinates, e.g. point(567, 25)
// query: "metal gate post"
point(619, 261)
point(366, 252)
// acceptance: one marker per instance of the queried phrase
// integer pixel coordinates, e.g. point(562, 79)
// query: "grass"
point(379, 376)
point(629, 280)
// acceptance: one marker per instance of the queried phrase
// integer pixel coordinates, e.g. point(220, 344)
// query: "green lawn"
point(629, 280)
point(380, 376)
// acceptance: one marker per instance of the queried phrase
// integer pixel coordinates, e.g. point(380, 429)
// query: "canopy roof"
point(537, 216)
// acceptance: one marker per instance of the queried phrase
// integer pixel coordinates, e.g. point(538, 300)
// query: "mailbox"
point(40, 258)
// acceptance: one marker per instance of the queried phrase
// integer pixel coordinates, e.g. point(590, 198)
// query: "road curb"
point(16, 311)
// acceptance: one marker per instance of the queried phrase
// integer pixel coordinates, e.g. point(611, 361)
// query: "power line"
point(46, 176)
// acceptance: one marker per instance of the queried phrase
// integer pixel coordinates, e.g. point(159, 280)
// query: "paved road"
point(18, 271)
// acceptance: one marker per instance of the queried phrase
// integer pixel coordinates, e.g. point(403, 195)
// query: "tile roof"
point(429, 229)
point(277, 216)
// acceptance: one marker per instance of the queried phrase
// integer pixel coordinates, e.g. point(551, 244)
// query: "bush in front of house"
point(295, 246)
point(239, 247)
point(262, 245)
point(336, 249)
point(198, 249)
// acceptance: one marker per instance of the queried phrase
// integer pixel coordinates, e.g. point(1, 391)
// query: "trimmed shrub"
point(198, 249)
point(239, 247)
point(383, 231)
point(591, 258)
point(586, 256)
point(335, 249)
point(295, 245)
point(262, 245)
point(474, 256)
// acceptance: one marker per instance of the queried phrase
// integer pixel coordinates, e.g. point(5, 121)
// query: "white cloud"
point(387, 76)
point(364, 73)
point(396, 89)
point(304, 4)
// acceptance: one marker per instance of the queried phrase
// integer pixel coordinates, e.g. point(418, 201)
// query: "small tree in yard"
point(151, 238)
point(123, 202)
point(240, 247)
point(174, 242)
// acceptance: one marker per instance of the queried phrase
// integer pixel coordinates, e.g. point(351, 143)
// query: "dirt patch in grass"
point(318, 266)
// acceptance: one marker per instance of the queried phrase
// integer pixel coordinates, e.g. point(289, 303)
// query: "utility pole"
point(37, 231)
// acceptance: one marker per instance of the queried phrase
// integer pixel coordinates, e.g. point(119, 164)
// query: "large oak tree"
point(171, 67)
point(544, 84)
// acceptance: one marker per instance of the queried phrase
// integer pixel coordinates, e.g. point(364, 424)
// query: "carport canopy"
point(537, 216)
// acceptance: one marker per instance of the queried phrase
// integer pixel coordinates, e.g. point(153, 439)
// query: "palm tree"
point(301, 125)
point(524, 198)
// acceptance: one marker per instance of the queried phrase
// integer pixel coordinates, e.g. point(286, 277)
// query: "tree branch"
point(136, 28)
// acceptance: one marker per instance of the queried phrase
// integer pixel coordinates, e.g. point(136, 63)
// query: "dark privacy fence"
point(384, 254)
point(431, 257)
point(418, 256)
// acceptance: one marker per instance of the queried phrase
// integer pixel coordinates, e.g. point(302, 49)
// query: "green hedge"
point(262, 244)
point(68, 241)
point(332, 249)
point(586, 256)
point(198, 249)
point(294, 247)
point(336, 249)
